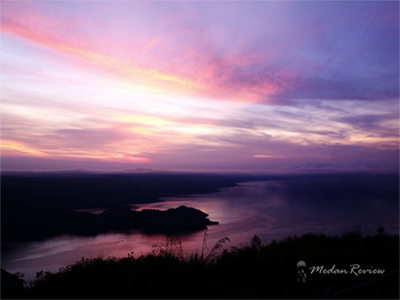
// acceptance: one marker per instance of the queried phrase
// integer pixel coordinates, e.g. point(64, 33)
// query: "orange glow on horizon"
point(13, 146)
point(268, 156)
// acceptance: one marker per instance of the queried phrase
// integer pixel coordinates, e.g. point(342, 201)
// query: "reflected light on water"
point(270, 209)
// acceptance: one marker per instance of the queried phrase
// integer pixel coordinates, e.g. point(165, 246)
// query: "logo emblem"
point(301, 272)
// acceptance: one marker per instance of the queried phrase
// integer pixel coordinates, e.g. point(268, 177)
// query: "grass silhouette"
point(173, 248)
point(249, 271)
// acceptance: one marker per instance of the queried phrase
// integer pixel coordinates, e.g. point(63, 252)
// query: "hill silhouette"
point(79, 191)
point(22, 220)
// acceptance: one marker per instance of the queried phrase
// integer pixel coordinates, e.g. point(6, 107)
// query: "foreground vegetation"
point(249, 271)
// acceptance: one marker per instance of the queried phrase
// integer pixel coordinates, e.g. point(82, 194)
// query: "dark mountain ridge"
point(79, 191)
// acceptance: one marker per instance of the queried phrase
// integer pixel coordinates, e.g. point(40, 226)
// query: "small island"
point(171, 221)
point(23, 220)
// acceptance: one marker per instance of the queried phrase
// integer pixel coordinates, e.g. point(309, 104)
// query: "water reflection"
point(270, 209)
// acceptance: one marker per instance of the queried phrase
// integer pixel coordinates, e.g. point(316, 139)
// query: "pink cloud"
point(138, 90)
point(184, 66)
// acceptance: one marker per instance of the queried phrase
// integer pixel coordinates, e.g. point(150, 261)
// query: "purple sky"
point(200, 86)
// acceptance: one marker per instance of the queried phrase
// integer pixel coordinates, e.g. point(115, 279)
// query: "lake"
point(269, 209)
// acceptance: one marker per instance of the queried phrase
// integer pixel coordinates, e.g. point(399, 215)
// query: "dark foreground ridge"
point(251, 271)
point(22, 220)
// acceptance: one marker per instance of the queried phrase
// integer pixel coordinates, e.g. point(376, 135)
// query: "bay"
point(268, 209)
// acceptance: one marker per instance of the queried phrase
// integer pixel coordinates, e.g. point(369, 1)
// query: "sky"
point(210, 86)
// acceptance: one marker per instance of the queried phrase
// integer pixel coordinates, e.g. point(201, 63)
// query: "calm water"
point(270, 209)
